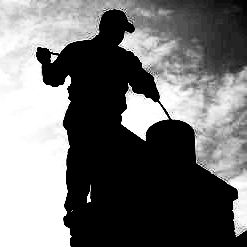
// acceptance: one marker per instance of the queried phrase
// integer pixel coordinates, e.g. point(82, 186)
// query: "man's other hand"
point(43, 55)
point(156, 96)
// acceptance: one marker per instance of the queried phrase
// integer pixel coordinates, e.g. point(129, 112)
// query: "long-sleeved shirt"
point(99, 73)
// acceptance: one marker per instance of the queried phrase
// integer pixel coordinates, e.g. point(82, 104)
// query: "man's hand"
point(43, 55)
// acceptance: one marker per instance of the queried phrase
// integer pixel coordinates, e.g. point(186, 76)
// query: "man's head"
point(113, 25)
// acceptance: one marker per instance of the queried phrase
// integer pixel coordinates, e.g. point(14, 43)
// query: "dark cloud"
point(215, 30)
point(218, 29)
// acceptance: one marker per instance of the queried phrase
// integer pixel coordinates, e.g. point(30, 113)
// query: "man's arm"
point(143, 83)
point(55, 73)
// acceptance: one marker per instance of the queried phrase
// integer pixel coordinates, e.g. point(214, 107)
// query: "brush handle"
point(54, 53)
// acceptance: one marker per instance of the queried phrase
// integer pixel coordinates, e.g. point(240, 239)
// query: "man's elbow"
point(51, 77)
point(54, 81)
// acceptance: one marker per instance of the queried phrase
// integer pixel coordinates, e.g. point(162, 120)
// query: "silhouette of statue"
point(102, 150)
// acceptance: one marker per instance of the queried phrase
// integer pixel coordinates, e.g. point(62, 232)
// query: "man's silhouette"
point(102, 149)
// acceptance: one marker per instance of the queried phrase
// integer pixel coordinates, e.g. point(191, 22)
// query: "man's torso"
point(99, 75)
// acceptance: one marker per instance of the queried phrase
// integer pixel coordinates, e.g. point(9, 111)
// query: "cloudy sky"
point(194, 50)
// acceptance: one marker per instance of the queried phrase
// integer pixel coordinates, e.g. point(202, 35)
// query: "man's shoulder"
point(76, 46)
point(131, 55)
point(127, 54)
point(132, 59)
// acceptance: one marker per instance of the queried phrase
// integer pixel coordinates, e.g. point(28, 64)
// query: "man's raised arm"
point(53, 73)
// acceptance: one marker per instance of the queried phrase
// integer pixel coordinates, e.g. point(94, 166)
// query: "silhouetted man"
point(100, 72)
